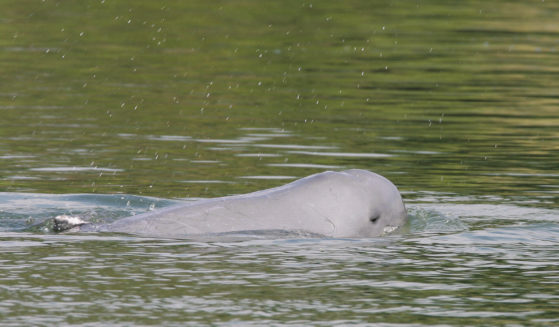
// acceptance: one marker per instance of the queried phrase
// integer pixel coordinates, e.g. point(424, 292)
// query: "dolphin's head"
point(375, 208)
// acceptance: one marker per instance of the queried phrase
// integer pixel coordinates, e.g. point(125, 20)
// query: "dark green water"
point(457, 104)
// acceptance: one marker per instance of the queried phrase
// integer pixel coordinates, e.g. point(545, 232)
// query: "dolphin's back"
point(339, 204)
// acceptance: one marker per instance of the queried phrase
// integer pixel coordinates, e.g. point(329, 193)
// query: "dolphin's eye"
point(374, 219)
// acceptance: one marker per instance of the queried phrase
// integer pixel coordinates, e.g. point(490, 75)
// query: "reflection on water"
point(456, 104)
point(439, 97)
point(499, 275)
point(455, 262)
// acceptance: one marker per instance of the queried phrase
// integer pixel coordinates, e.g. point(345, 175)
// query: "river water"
point(112, 108)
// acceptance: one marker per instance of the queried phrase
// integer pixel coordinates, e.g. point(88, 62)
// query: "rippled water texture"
point(112, 108)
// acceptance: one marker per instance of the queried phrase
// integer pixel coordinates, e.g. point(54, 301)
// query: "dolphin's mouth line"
point(331, 223)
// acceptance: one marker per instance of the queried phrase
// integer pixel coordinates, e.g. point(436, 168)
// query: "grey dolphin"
point(352, 203)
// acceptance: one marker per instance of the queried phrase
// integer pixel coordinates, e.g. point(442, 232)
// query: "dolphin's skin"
point(351, 203)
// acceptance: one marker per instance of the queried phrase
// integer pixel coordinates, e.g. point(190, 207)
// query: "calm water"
point(112, 108)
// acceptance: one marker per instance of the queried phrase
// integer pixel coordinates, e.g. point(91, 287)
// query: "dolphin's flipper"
point(64, 223)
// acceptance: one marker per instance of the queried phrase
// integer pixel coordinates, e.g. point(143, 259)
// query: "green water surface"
point(461, 97)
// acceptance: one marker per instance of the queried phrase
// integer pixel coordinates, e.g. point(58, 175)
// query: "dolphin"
point(349, 204)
